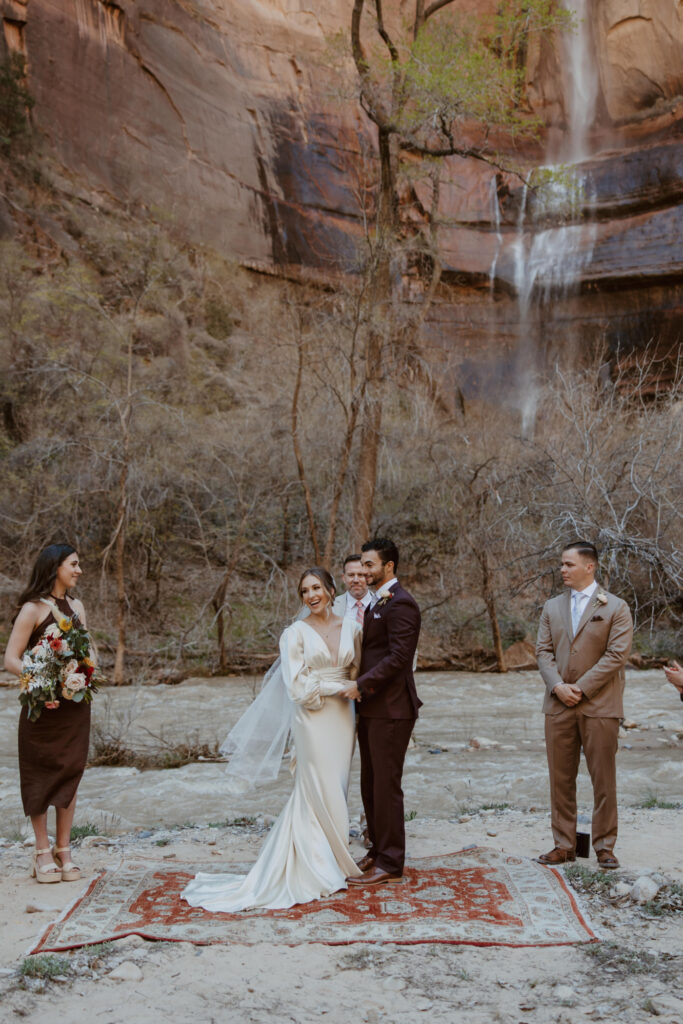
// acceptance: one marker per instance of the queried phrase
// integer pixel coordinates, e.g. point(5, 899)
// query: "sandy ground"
point(632, 976)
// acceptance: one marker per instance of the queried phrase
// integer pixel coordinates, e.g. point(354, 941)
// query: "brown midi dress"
point(53, 750)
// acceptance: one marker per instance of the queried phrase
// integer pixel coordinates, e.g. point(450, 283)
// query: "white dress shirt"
point(351, 604)
point(385, 588)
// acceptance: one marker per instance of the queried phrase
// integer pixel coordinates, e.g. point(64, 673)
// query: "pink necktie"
point(360, 612)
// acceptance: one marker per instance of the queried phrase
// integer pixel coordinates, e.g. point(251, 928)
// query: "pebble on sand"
point(127, 971)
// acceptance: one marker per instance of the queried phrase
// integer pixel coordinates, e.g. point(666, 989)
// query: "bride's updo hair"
point(325, 578)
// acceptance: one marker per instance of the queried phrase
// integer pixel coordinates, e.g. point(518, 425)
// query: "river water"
point(444, 775)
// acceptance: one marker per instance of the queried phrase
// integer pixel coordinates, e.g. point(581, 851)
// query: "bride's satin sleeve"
point(302, 684)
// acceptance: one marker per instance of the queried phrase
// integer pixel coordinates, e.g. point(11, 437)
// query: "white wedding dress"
point(306, 855)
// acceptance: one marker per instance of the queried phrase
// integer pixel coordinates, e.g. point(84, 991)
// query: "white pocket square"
point(377, 615)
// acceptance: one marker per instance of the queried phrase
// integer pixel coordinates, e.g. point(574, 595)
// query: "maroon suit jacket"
point(385, 679)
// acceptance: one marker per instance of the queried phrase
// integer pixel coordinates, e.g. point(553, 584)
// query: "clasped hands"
point(351, 692)
point(674, 675)
point(568, 693)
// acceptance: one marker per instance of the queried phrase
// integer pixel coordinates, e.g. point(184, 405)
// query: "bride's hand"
point(351, 692)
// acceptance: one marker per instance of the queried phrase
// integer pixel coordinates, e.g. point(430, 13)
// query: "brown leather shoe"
point(366, 862)
point(374, 876)
point(557, 856)
point(606, 859)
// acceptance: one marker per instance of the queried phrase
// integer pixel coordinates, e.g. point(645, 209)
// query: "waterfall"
point(582, 82)
point(495, 219)
point(547, 261)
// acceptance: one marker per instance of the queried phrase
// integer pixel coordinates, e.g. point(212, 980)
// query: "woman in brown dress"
point(53, 749)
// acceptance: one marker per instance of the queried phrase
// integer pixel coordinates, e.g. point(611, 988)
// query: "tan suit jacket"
point(593, 660)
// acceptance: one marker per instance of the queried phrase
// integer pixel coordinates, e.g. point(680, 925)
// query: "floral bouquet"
point(59, 665)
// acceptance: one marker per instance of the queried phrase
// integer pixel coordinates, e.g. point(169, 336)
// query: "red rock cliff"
point(213, 112)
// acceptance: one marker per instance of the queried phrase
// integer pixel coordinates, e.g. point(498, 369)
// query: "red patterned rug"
point(477, 896)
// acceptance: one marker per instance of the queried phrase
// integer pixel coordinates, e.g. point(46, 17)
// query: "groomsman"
point(584, 640)
point(357, 597)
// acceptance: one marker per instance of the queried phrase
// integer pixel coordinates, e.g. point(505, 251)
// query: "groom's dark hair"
point(584, 548)
point(385, 548)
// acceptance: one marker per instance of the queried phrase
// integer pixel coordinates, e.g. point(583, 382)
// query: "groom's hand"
point(351, 692)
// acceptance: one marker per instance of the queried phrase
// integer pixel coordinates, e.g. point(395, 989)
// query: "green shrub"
point(15, 103)
point(45, 966)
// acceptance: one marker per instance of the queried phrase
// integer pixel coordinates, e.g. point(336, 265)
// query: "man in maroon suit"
point(387, 708)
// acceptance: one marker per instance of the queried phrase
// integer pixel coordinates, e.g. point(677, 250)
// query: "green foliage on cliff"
point(15, 104)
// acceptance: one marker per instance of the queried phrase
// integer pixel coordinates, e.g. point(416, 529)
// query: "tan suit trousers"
point(566, 734)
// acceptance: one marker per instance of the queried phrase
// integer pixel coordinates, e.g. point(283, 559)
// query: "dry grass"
point(112, 752)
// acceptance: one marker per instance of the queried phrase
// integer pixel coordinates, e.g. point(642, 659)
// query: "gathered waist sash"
point(333, 674)
point(321, 683)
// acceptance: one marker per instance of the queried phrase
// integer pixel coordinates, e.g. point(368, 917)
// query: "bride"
point(306, 855)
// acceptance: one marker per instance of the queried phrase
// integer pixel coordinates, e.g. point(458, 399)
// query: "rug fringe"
point(64, 913)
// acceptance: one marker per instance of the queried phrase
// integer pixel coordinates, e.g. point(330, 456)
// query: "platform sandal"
point(70, 873)
point(45, 872)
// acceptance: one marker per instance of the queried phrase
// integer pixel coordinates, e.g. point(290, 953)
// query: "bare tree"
point(434, 88)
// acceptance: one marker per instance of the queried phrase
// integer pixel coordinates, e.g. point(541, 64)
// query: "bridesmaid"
point(52, 750)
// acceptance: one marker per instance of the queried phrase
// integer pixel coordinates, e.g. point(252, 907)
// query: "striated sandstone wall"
point(216, 113)
point(640, 53)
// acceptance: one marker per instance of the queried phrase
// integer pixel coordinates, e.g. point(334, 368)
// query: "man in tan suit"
point(584, 640)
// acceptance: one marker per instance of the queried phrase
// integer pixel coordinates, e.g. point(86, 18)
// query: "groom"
point(387, 708)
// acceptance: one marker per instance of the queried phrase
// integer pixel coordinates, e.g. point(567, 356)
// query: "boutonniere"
point(601, 597)
point(384, 599)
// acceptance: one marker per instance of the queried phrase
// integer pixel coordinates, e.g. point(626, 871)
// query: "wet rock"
point(482, 743)
point(644, 889)
point(127, 971)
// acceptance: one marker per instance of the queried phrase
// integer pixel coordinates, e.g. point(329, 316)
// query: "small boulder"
point(564, 995)
point(127, 971)
point(482, 743)
point(644, 889)
point(520, 656)
point(666, 1006)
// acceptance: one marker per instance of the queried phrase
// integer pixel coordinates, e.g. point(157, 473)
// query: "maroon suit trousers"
point(383, 743)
